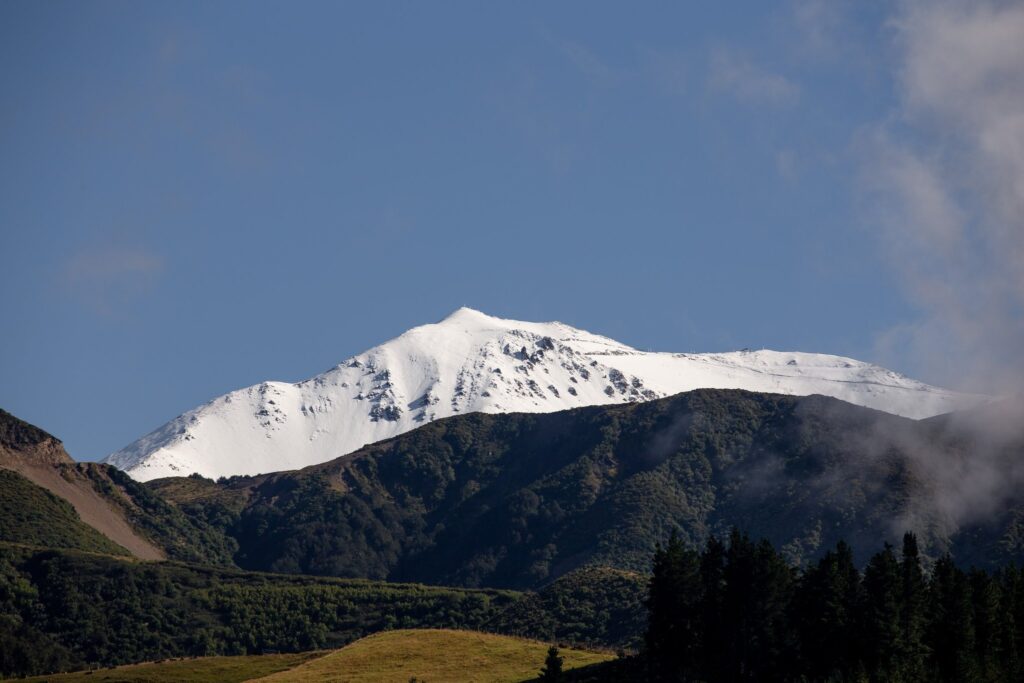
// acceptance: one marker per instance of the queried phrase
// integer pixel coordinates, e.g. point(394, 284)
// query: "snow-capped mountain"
point(472, 362)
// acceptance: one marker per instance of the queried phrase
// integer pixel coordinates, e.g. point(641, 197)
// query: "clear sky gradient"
point(195, 197)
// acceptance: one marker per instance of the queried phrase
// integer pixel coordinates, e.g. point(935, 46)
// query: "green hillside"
point(31, 515)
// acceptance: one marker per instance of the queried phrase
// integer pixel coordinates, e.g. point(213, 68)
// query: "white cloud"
point(951, 191)
point(749, 82)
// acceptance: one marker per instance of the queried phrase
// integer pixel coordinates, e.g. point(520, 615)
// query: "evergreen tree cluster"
point(739, 612)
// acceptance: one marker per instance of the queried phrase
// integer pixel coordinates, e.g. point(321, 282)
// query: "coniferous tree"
point(951, 624)
point(912, 612)
point(826, 611)
point(673, 635)
point(773, 644)
point(713, 663)
point(985, 600)
point(736, 612)
point(1011, 622)
point(552, 671)
point(881, 615)
point(754, 620)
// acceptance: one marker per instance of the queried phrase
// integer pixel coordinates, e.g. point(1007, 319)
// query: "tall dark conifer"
point(912, 612)
point(985, 598)
point(713, 663)
point(825, 613)
point(881, 615)
point(673, 635)
point(951, 624)
point(737, 614)
point(774, 645)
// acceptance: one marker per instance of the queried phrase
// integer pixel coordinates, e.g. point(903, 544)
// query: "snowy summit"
point(472, 362)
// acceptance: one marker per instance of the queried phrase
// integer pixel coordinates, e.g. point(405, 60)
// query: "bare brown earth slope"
point(41, 458)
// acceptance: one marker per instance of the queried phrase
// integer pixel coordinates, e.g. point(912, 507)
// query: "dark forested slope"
point(518, 500)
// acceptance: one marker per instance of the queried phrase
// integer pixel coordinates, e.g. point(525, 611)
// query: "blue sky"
point(195, 197)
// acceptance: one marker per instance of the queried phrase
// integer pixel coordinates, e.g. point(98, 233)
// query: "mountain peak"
point(474, 362)
point(466, 316)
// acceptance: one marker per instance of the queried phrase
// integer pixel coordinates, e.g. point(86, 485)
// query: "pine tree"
point(912, 612)
point(736, 612)
point(773, 645)
point(1011, 623)
point(552, 670)
point(673, 604)
point(951, 632)
point(881, 615)
point(712, 660)
point(985, 600)
point(826, 610)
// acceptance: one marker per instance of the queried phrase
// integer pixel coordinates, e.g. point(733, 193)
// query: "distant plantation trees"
point(62, 610)
point(738, 612)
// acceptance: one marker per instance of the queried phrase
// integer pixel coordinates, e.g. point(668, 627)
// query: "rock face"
point(22, 444)
point(472, 362)
point(41, 458)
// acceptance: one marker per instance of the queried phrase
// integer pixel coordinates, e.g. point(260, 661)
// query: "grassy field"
point(201, 670)
point(433, 656)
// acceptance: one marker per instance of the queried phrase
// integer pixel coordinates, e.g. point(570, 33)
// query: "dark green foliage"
point(673, 638)
point(24, 648)
point(912, 613)
point(552, 670)
point(69, 610)
point(519, 500)
point(592, 606)
point(881, 614)
point(31, 515)
point(951, 623)
point(827, 624)
point(826, 615)
point(188, 538)
point(60, 610)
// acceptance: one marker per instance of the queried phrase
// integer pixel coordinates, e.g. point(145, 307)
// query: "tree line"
point(737, 611)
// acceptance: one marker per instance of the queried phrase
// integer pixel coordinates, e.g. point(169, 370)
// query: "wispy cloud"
point(821, 24)
point(593, 68)
point(749, 82)
point(947, 176)
point(107, 278)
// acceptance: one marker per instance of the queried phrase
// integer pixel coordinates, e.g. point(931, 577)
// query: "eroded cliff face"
point(40, 457)
point(24, 444)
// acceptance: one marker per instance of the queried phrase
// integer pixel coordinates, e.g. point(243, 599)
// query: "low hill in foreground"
point(194, 670)
point(435, 655)
point(426, 654)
